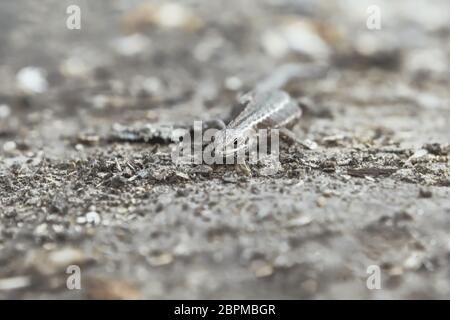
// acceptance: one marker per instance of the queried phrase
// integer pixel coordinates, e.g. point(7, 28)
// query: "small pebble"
point(425, 193)
point(93, 217)
point(63, 257)
point(300, 221)
point(161, 260)
point(5, 111)
point(132, 45)
point(310, 286)
point(88, 138)
point(296, 36)
point(41, 230)
point(175, 15)
point(261, 269)
point(329, 166)
point(74, 67)
point(14, 283)
point(9, 146)
point(414, 261)
point(321, 202)
point(32, 80)
point(233, 83)
point(437, 149)
point(111, 289)
point(203, 169)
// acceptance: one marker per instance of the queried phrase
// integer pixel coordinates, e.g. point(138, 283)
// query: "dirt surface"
point(73, 191)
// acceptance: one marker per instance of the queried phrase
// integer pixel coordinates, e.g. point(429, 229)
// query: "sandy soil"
point(73, 191)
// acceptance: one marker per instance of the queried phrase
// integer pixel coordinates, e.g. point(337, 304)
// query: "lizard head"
point(227, 142)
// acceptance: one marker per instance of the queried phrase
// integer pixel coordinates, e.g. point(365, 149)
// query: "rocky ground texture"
point(76, 190)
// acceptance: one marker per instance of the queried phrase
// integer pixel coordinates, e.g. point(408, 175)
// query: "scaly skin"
point(264, 110)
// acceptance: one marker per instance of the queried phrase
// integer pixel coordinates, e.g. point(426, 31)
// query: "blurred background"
point(140, 55)
point(138, 62)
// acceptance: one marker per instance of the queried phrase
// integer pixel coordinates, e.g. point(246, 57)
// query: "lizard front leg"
point(290, 136)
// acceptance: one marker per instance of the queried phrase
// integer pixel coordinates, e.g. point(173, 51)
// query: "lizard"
point(272, 109)
point(266, 107)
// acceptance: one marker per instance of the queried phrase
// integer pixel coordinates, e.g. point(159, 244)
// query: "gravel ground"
point(76, 189)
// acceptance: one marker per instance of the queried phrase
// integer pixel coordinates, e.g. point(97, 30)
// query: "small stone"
point(9, 146)
point(333, 140)
point(369, 45)
point(425, 193)
point(203, 169)
point(309, 286)
point(414, 261)
point(182, 193)
point(41, 230)
point(270, 166)
point(88, 138)
point(329, 166)
point(114, 289)
point(14, 283)
point(81, 220)
point(175, 15)
point(417, 155)
point(300, 221)
point(143, 86)
point(229, 178)
point(437, 149)
point(58, 229)
point(329, 193)
point(144, 173)
point(284, 261)
point(233, 83)
point(161, 259)
point(66, 256)
point(254, 189)
point(74, 67)
point(32, 80)
point(131, 45)
point(93, 217)
point(309, 144)
point(169, 15)
point(395, 271)
point(100, 101)
point(321, 202)
point(5, 111)
point(297, 36)
point(274, 44)
point(208, 47)
point(261, 268)
point(118, 181)
point(182, 175)
point(426, 60)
